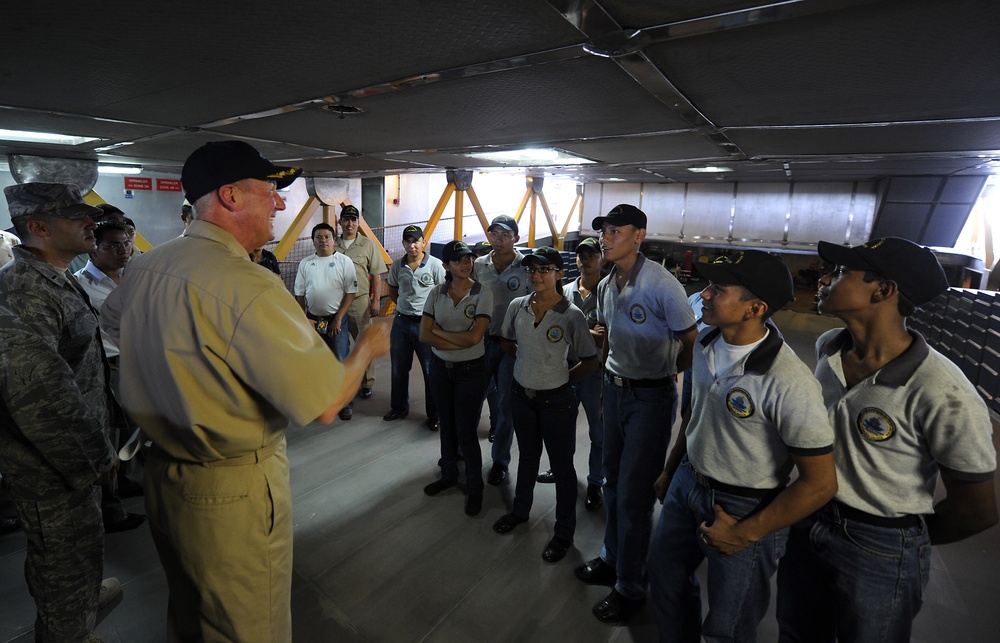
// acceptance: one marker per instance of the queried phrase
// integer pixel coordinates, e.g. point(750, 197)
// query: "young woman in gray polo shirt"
point(455, 319)
point(545, 334)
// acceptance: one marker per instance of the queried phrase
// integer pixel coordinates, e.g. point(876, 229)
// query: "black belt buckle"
point(617, 380)
point(530, 393)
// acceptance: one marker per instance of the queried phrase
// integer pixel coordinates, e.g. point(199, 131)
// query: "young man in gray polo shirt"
point(502, 273)
point(755, 411)
point(650, 334)
point(902, 413)
point(411, 278)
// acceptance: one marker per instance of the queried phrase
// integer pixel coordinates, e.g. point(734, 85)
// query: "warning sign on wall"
point(138, 183)
point(168, 185)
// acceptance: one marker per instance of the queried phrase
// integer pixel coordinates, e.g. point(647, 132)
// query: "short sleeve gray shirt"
point(747, 422)
point(413, 286)
point(545, 350)
point(478, 302)
point(504, 286)
point(644, 320)
point(898, 427)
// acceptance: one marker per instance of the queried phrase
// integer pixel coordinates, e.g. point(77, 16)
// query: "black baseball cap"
point(412, 232)
point(763, 274)
point(504, 221)
point(914, 268)
point(349, 212)
point(455, 250)
point(590, 244)
point(48, 199)
point(623, 214)
point(544, 256)
point(481, 246)
point(223, 162)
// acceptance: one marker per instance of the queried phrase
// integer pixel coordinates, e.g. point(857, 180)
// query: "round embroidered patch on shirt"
point(739, 403)
point(637, 314)
point(513, 283)
point(554, 334)
point(875, 425)
point(470, 311)
point(592, 314)
point(426, 279)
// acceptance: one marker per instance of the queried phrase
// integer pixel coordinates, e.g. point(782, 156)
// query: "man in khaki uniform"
point(217, 358)
point(370, 266)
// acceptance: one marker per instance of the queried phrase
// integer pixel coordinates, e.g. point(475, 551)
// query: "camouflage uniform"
point(55, 408)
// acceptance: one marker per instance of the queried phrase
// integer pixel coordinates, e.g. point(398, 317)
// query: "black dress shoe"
point(438, 486)
point(507, 522)
point(556, 549)
point(346, 414)
point(130, 521)
point(474, 504)
point(493, 434)
point(594, 499)
point(546, 477)
point(615, 608)
point(365, 393)
point(432, 425)
point(498, 473)
point(394, 415)
point(597, 572)
point(9, 525)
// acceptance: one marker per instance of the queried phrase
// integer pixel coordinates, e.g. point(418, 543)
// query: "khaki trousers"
point(223, 532)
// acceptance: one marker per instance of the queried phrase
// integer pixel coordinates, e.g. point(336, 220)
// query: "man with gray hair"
point(55, 409)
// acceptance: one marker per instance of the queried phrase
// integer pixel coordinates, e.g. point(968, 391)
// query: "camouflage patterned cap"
point(48, 199)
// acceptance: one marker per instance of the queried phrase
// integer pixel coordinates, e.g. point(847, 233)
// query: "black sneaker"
point(498, 473)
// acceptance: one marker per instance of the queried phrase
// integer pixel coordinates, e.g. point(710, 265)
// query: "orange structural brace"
point(438, 211)
point(478, 208)
point(295, 229)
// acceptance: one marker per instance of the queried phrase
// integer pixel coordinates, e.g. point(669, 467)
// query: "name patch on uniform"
point(426, 279)
point(637, 314)
point(513, 283)
point(470, 311)
point(554, 334)
point(739, 403)
point(875, 425)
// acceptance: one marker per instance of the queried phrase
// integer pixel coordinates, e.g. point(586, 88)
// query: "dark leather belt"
point(745, 492)
point(327, 318)
point(467, 365)
point(899, 522)
point(541, 395)
point(625, 382)
point(415, 318)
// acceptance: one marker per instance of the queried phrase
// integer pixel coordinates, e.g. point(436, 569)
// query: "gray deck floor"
point(377, 560)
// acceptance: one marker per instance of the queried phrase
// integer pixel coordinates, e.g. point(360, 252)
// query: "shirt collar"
point(897, 372)
point(40, 265)
point(761, 358)
point(639, 260)
point(95, 274)
point(205, 230)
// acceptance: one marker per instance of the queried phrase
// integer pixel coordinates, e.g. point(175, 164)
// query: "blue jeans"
point(500, 366)
point(588, 392)
point(340, 344)
point(458, 389)
point(637, 424)
point(739, 586)
point(550, 420)
point(404, 340)
point(850, 580)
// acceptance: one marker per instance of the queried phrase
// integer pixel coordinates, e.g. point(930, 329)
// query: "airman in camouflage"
point(55, 408)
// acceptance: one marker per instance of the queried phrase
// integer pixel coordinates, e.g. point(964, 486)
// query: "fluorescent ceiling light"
point(44, 137)
point(531, 157)
point(710, 168)
point(118, 169)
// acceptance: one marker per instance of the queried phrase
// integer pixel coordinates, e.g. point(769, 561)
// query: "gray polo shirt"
point(747, 422)
point(644, 321)
point(587, 305)
point(478, 302)
point(546, 350)
point(898, 427)
point(414, 285)
point(504, 286)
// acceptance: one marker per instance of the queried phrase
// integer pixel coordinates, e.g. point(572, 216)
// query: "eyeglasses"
point(542, 270)
point(496, 234)
point(115, 246)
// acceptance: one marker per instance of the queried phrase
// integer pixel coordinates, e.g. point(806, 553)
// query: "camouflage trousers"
point(64, 564)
